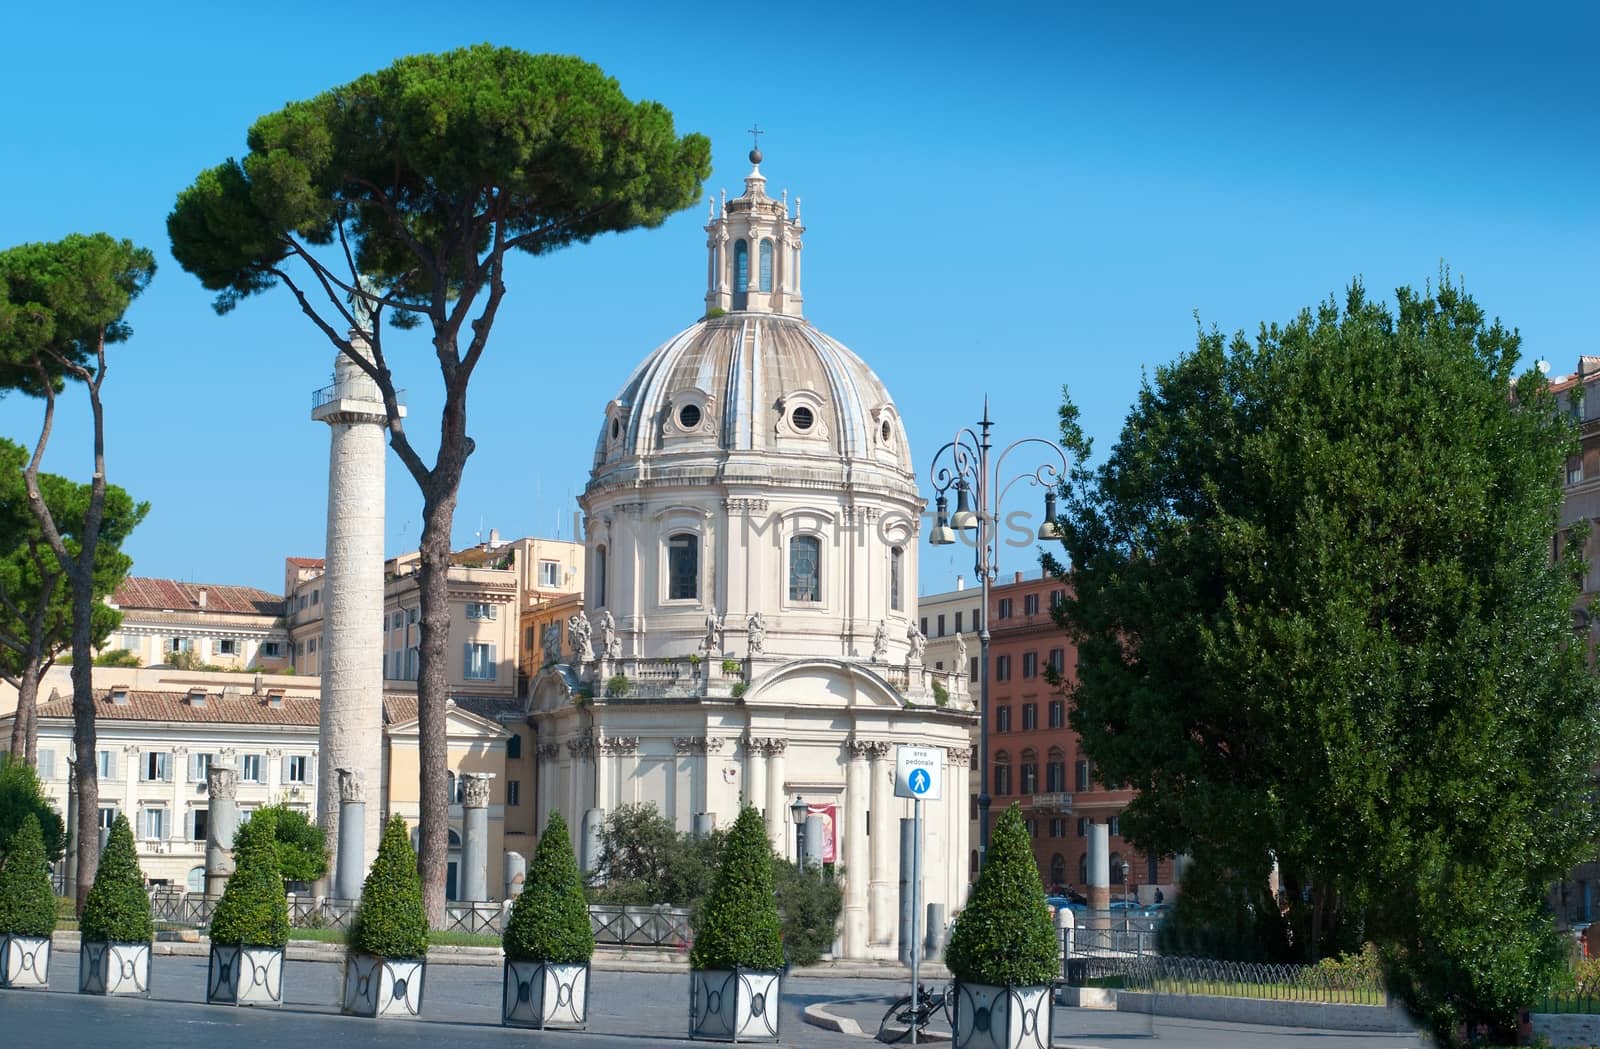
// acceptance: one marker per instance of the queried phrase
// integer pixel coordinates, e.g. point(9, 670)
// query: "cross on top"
point(755, 136)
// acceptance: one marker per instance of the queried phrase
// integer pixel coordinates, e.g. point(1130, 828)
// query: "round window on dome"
point(801, 418)
point(689, 416)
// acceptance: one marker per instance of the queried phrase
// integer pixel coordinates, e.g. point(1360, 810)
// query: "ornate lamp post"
point(965, 465)
point(798, 810)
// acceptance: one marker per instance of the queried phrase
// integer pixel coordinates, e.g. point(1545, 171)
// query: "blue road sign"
point(919, 781)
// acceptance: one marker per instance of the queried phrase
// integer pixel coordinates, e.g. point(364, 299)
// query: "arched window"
point(897, 559)
point(1055, 773)
point(805, 561)
point(1058, 871)
point(1002, 773)
point(1028, 774)
point(741, 266)
point(196, 882)
point(600, 576)
point(766, 265)
point(683, 566)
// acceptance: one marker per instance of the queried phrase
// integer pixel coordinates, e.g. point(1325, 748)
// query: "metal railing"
point(1206, 976)
point(359, 389)
point(660, 926)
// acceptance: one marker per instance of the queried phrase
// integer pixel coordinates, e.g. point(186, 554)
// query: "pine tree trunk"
point(87, 770)
point(24, 729)
point(433, 692)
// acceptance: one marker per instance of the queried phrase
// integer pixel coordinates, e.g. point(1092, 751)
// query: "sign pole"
point(916, 909)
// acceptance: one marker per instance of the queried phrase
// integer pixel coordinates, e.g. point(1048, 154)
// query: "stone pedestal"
point(350, 866)
point(475, 836)
point(516, 874)
point(222, 820)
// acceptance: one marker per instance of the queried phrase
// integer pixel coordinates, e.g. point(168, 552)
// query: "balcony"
point(362, 389)
point(1058, 801)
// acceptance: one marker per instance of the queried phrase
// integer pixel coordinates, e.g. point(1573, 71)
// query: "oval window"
point(801, 418)
point(616, 429)
point(689, 416)
point(885, 431)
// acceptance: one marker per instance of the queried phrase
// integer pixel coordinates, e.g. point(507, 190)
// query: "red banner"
point(829, 814)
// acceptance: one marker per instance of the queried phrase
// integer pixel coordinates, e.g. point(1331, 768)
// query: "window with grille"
point(683, 567)
point(805, 559)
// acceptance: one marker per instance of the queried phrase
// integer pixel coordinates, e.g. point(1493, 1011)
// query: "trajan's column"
point(352, 599)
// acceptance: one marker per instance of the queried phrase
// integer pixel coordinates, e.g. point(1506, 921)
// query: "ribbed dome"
point(753, 381)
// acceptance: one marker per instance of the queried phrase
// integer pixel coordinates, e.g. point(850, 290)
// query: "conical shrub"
point(738, 926)
point(254, 909)
point(117, 908)
point(390, 921)
point(27, 902)
point(550, 920)
point(1004, 936)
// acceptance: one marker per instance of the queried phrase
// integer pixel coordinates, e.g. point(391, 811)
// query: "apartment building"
point(232, 627)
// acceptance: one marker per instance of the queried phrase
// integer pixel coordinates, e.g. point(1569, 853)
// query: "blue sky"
point(997, 201)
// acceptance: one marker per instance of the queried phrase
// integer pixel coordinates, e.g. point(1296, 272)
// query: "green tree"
point(302, 846)
point(739, 926)
point(35, 602)
point(550, 920)
point(254, 909)
point(27, 902)
point(809, 903)
point(117, 909)
point(390, 922)
point(428, 176)
point(1004, 935)
point(1318, 620)
point(61, 306)
point(22, 797)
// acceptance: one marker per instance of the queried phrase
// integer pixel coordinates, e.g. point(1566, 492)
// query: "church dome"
point(752, 382)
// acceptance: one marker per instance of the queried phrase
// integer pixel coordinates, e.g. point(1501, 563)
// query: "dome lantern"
point(753, 249)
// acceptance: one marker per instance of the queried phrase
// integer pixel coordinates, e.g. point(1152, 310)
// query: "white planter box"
point(243, 975)
point(734, 1005)
point(24, 961)
point(114, 968)
point(987, 1017)
point(376, 986)
point(545, 994)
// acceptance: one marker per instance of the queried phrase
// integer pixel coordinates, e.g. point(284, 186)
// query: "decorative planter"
point(545, 994)
point(988, 1017)
point(734, 1005)
point(114, 968)
point(24, 961)
point(376, 986)
point(243, 975)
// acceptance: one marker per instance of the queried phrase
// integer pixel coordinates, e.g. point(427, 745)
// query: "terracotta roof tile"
point(175, 706)
point(176, 596)
point(305, 562)
point(402, 706)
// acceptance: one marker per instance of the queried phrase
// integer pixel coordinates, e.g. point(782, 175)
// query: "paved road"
point(462, 1009)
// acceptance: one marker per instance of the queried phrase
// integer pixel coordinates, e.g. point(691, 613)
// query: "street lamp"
point(1125, 903)
point(979, 493)
point(798, 810)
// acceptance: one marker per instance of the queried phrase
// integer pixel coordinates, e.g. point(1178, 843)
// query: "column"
point(475, 836)
point(777, 804)
point(856, 866)
point(1099, 868)
point(222, 788)
point(352, 844)
point(755, 773)
point(881, 909)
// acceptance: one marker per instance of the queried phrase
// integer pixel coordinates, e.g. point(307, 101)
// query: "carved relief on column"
point(960, 755)
point(698, 744)
point(870, 748)
point(619, 744)
point(583, 746)
point(475, 789)
point(767, 744)
point(549, 751)
point(222, 782)
point(352, 785)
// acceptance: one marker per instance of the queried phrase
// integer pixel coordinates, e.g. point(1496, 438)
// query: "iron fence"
point(1207, 976)
point(481, 918)
point(619, 926)
point(1583, 1000)
point(181, 910)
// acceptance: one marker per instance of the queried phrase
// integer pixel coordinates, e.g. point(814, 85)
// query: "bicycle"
point(901, 1018)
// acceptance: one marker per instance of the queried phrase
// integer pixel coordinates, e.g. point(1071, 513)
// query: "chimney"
point(494, 539)
point(202, 597)
point(119, 695)
point(255, 686)
point(961, 582)
point(1018, 578)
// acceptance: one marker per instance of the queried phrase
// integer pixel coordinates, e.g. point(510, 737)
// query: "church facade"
point(749, 629)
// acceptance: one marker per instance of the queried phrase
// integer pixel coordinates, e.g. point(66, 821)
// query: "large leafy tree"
point(398, 199)
point(35, 600)
point(1319, 622)
point(61, 305)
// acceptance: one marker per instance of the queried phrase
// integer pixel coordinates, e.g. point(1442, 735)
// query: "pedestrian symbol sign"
point(918, 772)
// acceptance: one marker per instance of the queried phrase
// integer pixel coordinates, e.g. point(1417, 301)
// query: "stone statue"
point(713, 638)
point(961, 655)
point(610, 644)
point(880, 643)
point(578, 633)
point(919, 643)
point(551, 638)
point(756, 630)
point(363, 308)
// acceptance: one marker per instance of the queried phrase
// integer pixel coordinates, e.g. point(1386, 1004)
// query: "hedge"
point(391, 922)
point(254, 909)
point(550, 920)
point(117, 909)
point(27, 900)
point(739, 924)
point(1004, 936)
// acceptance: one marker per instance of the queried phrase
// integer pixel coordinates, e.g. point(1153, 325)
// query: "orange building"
point(1038, 762)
